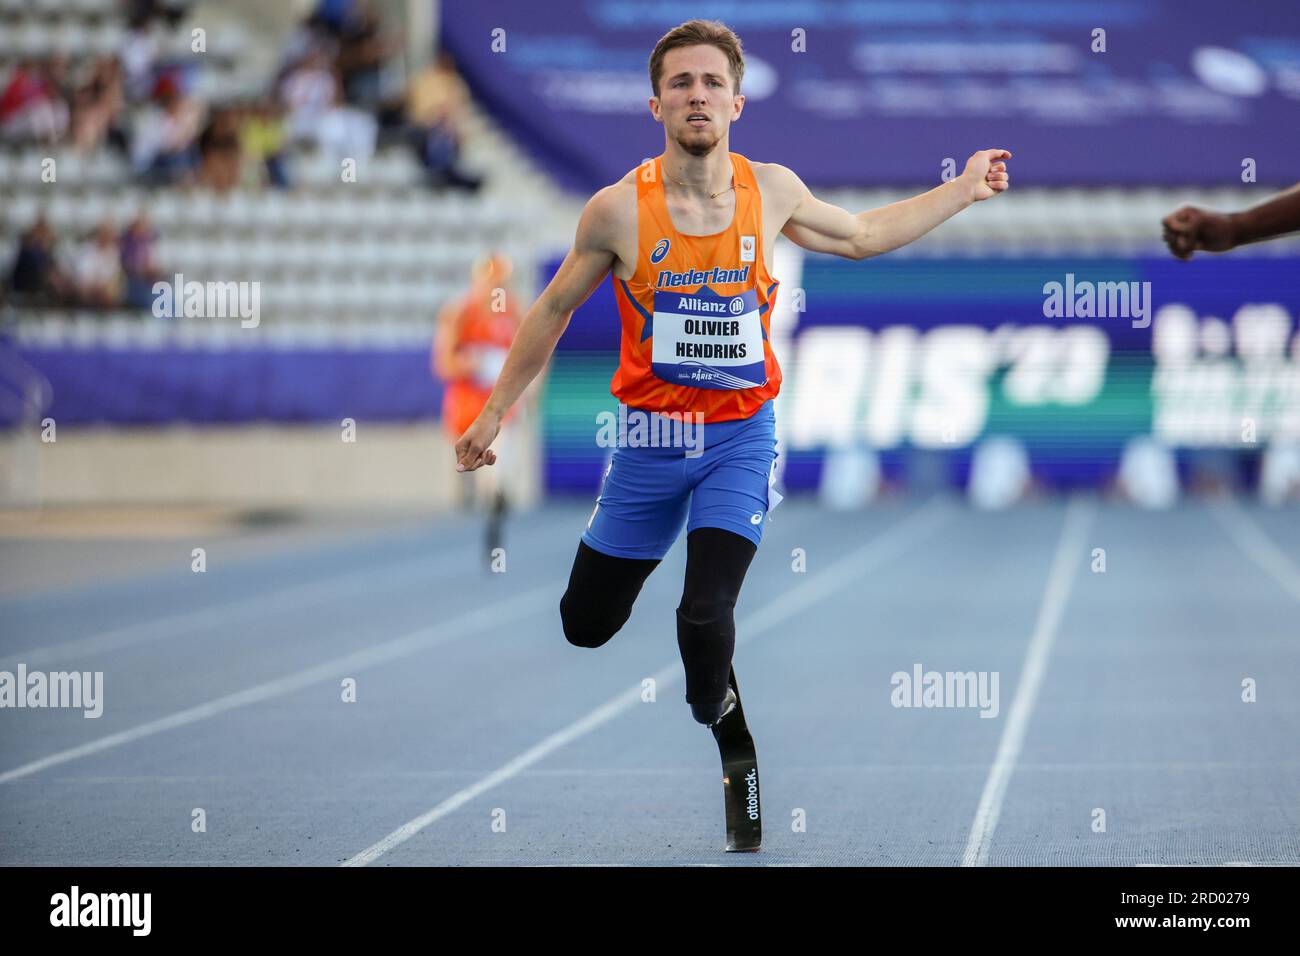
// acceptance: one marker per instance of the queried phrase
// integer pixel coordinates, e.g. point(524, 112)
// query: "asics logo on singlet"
point(660, 250)
point(669, 279)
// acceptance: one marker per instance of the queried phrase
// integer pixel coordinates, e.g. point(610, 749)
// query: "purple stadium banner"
point(882, 92)
point(100, 384)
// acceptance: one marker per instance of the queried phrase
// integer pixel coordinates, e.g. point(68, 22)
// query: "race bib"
point(489, 361)
point(705, 340)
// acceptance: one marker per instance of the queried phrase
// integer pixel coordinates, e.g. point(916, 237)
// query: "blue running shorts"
point(722, 479)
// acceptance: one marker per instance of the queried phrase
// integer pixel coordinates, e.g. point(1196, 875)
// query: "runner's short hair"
point(693, 33)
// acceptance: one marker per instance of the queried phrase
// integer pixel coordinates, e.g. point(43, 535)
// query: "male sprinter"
point(1191, 228)
point(688, 239)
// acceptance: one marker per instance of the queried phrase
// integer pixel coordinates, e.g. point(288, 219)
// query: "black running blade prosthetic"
point(739, 778)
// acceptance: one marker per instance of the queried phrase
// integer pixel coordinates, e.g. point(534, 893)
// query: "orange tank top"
point(489, 334)
point(696, 312)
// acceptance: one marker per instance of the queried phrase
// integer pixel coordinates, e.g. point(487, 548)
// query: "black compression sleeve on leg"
point(716, 564)
point(602, 589)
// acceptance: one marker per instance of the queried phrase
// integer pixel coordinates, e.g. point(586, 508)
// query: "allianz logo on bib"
point(687, 304)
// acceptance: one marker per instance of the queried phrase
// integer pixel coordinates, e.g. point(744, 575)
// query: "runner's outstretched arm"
point(1191, 228)
point(584, 268)
point(822, 227)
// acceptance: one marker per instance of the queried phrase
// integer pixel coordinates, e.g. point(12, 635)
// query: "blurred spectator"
point(138, 265)
point(220, 151)
point(97, 269)
point(435, 108)
point(96, 104)
point(309, 90)
point(163, 150)
point(312, 95)
point(333, 14)
point(262, 134)
point(36, 278)
point(32, 105)
point(138, 54)
point(311, 36)
point(364, 49)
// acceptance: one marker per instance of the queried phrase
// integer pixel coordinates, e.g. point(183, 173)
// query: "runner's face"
point(696, 80)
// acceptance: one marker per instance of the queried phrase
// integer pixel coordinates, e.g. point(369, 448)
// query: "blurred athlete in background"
point(470, 344)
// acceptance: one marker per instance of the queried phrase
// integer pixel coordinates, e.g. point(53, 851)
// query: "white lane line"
point(1070, 551)
point(240, 609)
point(915, 526)
point(1229, 863)
point(1258, 546)
point(500, 612)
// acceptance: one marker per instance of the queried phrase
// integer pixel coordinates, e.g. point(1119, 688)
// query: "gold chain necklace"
point(711, 195)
